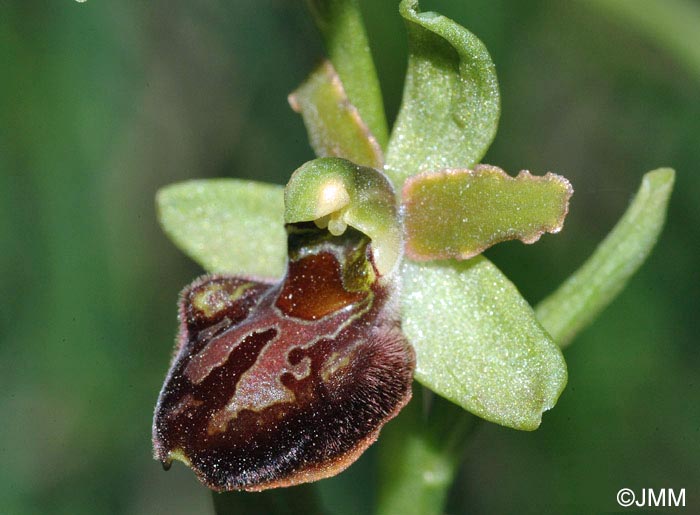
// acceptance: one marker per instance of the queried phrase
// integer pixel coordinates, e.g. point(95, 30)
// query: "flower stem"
point(419, 454)
point(341, 26)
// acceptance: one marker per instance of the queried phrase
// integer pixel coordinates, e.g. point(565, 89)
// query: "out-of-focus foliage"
point(102, 103)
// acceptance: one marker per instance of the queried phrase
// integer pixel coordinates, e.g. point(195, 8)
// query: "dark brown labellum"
point(278, 384)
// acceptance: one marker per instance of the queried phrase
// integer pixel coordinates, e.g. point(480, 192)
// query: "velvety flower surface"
point(275, 384)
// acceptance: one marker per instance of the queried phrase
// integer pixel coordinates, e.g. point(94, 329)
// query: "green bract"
point(340, 24)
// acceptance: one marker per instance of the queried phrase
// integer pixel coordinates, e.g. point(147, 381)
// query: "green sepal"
point(227, 225)
point(451, 104)
point(478, 343)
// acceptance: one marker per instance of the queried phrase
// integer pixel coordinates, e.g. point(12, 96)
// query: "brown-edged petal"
point(460, 213)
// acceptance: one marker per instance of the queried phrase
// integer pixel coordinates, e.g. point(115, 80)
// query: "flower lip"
point(279, 384)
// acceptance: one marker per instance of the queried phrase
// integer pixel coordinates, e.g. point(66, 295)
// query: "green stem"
point(343, 32)
point(419, 454)
point(280, 501)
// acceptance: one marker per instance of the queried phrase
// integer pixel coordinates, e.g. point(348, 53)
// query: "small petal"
point(334, 125)
point(460, 213)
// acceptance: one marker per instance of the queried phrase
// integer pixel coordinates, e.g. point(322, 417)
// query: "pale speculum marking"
point(215, 299)
point(338, 360)
point(260, 386)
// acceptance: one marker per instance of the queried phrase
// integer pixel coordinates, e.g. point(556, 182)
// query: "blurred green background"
point(101, 103)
